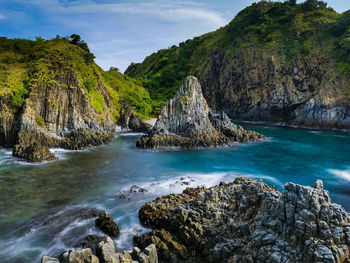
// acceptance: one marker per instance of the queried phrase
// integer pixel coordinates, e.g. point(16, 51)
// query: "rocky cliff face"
point(262, 86)
point(59, 114)
point(248, 221)
point(187, 121)
point(54, 95)
point(278, 62)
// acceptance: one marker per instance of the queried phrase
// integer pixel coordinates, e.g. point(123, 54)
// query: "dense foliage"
point(26, 63)
point(287, 29)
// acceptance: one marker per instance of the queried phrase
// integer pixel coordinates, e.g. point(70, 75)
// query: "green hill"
point(267, 47)
point(52, 94)
point(24, 63)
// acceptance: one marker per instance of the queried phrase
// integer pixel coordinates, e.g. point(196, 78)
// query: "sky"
point(119, 32)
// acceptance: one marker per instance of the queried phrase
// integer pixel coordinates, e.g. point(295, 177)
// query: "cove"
point(43, 206)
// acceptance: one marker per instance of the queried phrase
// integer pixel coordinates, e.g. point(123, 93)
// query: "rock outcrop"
point(54, 95)
point(130, 121)
point(247, 221)
point(106, 223)
point(186, 121)
point(104, 251)
point(259, 68)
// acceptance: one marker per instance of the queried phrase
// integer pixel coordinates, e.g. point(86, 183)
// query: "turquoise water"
point(40, 204)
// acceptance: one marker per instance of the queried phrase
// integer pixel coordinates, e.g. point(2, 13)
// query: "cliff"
point(247, 221)
point(52, 94)
point(280, 62)
point(186, 121)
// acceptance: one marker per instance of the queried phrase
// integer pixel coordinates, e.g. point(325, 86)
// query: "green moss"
point(40, 121)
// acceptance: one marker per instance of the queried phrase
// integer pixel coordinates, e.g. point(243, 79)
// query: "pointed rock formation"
point(186, 121)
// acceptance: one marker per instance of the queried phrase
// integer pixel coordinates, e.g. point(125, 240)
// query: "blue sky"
point(118, 31)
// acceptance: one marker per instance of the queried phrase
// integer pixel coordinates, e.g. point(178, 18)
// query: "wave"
point(180, 181)
point(345, 174)
point(131, 134)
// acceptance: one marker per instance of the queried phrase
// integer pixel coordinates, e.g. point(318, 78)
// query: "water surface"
point(42, 206)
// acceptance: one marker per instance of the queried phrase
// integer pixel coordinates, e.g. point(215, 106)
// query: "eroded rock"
point(106, 223)
point(247, 221)
point(186, 121)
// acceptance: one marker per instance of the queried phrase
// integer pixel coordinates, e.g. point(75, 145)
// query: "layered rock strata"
point(247, 221)
point(186, 121)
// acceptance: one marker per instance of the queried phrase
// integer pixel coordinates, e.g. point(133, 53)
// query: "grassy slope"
point(288, 30)
point(25, 63)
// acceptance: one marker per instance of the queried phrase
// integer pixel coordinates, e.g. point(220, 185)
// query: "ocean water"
point(42, 206)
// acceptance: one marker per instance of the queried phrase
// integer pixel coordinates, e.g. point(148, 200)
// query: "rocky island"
point(186, 121)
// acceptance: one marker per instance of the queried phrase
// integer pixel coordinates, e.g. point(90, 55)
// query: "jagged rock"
point(78, 256)
point(106, 223)
point(106, 253)
point(130, 121)
point(186, 121)
point(49, 260)
point(247, 221)
point(33, 152)
point(91, 241)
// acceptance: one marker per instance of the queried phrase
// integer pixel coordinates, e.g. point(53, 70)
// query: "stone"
point(78, 256)
point(106, 251)
point(130, 121)
point(106, 223)
point(186, 121)
point(247, 221)
point(46, 259)
point(151, 252)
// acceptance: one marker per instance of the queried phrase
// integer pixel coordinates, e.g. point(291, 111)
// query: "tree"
point(75, 39)
point(311, 5)
point(292, 2)
point(299, 26)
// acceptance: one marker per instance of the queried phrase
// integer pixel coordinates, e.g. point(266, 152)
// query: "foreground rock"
point(186, 121)
point(106, 223)
point(247, 221)
point(103, 251)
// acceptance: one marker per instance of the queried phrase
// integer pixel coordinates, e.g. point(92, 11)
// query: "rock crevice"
point(248, 221)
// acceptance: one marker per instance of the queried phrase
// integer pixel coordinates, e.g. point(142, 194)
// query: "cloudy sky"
point(122, 31)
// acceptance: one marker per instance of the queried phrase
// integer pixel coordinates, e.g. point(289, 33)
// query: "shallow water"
point(42, 206)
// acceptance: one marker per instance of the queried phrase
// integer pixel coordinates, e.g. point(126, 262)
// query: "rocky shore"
point(247, 221)
point(242, 221)
point(186, 121)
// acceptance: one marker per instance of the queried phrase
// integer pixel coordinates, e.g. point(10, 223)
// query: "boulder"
point(106, 223)
point(186, 121)
point(49, 260)
point(33, 152)
point(78, 256)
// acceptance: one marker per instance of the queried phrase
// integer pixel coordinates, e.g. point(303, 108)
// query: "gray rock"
point(186, 121)
point(248, 221)
point(46, 259)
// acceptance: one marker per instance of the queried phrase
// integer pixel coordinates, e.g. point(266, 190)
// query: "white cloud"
point(121, 32)
point(173, 11)
point(2, 16)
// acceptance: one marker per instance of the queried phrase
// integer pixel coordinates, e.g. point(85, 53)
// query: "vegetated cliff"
point(281, 62)
point(186, 121)
point(52, 94)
